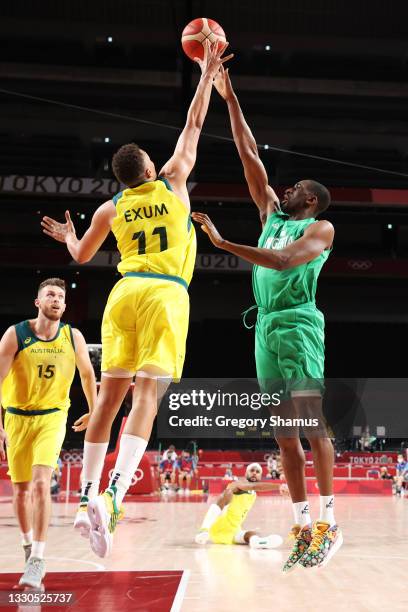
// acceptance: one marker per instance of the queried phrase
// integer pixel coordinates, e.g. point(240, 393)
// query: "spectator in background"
point(404, 480)
point(187, 467)
point(273, 468)
point(170, 453)
point(384, 474)
point(56, 477)
point(367, 441)
point(167, 472)
point(228, 474)
point(401, 477)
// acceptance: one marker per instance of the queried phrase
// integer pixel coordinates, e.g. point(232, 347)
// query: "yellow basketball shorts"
point(33, 440)
point(145, 323)
point(222, 532)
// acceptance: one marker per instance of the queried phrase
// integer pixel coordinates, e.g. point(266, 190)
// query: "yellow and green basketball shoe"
point(104, 516)
point(81, 522)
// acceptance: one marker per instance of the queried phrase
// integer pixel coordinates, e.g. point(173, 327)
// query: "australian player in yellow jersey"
point(223, 522)
point(145, 322)
point(37, 366)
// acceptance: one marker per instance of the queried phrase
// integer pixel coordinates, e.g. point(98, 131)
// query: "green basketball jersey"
point(278, 290)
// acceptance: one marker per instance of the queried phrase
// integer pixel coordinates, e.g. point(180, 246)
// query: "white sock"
point(37, 550)
point(301, 513)
point(131, 450)
point(213, 513)
point(327, 509)
point(94, 458)
point(27, 538)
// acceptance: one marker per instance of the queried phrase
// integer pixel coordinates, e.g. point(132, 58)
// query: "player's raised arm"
point(8, 349)
point(261, 192)
point(83, 249)
point(88, 380)
point(180, 165)
point(244, 485)
point(317, 238)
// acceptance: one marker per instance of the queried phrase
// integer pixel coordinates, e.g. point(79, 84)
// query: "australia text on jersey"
point(47, 350)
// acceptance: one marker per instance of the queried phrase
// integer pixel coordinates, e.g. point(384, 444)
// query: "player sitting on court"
point(223, 522)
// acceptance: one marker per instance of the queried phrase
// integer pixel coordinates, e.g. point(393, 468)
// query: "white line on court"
point(181, 591)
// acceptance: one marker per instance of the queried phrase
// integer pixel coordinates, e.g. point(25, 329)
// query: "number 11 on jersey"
point(141, 237)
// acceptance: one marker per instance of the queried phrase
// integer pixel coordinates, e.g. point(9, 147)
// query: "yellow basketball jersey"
point(239, 507)
point(154, 232)
point(42, 371)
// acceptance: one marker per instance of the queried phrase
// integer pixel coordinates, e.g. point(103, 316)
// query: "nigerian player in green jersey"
point(289, 335)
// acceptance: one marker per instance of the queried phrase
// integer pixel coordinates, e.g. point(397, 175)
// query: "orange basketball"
point(197, 32)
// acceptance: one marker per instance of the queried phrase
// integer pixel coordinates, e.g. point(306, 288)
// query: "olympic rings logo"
point(74, 457)
point(360, 264)
point(139, 475)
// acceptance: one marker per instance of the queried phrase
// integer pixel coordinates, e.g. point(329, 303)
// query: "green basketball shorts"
point(289, 351)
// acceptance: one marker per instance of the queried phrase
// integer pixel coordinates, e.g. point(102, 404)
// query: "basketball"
point(197, 32)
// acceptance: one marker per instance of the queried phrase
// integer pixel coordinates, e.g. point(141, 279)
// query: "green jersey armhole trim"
point(266, 226)
point(25, 336)
point(72, 337)
point(117, 197)
point(166, 182)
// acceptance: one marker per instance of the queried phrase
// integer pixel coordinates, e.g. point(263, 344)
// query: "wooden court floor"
point(369, 573)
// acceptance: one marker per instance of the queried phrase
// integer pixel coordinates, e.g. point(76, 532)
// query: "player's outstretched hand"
point(56, 230)
point(209, 228)
point(3, 444)
point(81, 423)
point(212, 60)
point(222, 83)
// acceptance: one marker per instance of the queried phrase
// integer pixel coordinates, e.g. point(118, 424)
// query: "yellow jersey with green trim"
point(42, 371)
point(154, 232)
point(238, 508)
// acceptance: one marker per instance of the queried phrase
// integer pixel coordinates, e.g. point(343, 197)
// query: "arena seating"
point(353, 471)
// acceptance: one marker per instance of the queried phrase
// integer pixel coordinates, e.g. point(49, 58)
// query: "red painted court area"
point(148, 591)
